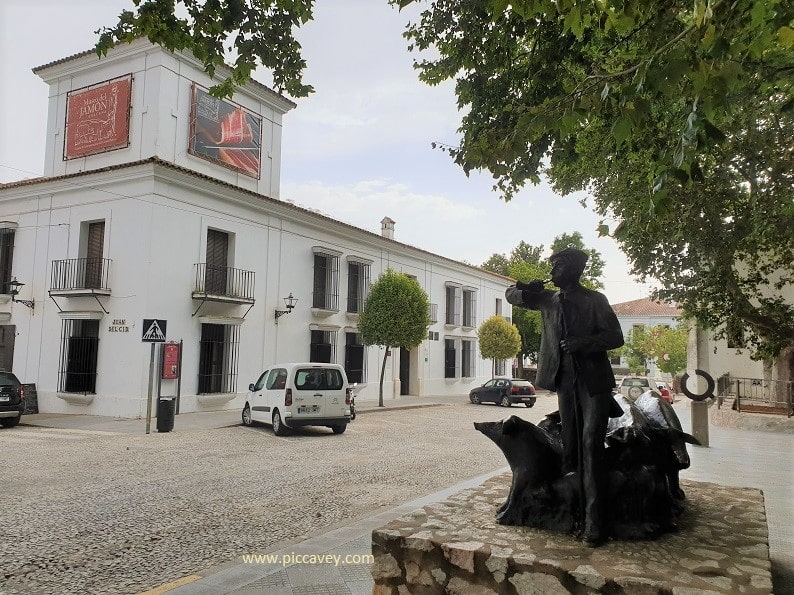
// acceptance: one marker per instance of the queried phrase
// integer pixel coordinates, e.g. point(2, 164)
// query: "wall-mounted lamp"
point(15, 285)
point(289, 303)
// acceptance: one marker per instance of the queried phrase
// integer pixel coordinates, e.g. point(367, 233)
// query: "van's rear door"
point(309, 397)
point(335, 389)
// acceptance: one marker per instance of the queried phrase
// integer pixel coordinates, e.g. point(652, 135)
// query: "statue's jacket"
point(587, 315)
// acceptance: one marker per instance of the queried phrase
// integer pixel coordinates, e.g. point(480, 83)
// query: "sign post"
point(153, 332)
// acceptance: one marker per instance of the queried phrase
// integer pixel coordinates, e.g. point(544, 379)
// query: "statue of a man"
point(579, 327)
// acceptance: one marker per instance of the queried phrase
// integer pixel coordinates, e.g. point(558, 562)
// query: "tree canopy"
point(498, 339)
point(396, 313)
point(666, 347)
point(675, 116)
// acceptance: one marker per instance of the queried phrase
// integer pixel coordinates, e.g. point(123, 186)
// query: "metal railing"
point(775, 394)
point(224, 281)
point(80, 273)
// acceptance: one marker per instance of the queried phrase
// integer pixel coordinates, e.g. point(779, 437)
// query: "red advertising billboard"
point(225, 133)
point(98, 118)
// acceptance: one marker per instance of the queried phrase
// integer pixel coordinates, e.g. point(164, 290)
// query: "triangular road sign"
point(153, 330)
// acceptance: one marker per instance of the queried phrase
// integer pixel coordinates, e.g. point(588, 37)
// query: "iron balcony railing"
point(223, 283)
point(76, 274)
point(773, 395)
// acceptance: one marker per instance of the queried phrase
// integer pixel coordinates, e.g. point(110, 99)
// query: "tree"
point(674, 115)
point(664, 346)
point(396, 314)
point(499, 340)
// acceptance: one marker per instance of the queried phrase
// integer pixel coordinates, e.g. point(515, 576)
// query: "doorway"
point(405, 371)
point(7, 337)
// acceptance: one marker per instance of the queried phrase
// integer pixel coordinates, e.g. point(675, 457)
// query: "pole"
point(149, 400)
point(179, 377)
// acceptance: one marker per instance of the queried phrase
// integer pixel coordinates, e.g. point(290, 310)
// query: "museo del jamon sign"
point(98, 118)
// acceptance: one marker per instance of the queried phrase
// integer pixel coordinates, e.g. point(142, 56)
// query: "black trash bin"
point(165, 414)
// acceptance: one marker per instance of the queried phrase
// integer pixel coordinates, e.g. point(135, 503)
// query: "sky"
point(358, 149)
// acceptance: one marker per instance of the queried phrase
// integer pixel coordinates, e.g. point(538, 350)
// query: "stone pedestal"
point(456, 546)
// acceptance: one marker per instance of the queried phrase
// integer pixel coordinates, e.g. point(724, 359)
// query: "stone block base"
point(456, 546)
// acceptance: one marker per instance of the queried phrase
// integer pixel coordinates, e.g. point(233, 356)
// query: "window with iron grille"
point(499, 367)
point(322, 348)
point(469, 308)
point(357, 285)
point(467, 358)
point(326, 281)
point(453, 305)
point(450, 358)
point(355, 358)
point(6, 257)
point(77, 369)
point(218, 358)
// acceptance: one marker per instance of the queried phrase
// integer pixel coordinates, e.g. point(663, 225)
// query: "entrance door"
point(8, 334)
point(405, 371)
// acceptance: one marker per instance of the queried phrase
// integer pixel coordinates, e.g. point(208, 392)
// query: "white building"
point(645, 313)
point(159, 202)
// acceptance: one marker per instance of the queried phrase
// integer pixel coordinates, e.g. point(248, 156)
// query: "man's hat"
point(572, 255)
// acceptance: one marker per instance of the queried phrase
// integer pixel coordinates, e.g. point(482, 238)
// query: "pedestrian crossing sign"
point(153, 330)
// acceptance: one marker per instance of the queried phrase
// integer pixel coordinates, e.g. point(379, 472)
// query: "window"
point(79, 349)
point(355, 358)
point(453, 305)
point(357, 285)
point(277, 379)
point(468, 363)
point(323, 346)
point(499, 367)
point(218, 358)
point(432, 336)
point(469, 308)
point(450, 359)
point(6, 257)
point(326, 281)
point(498, 308)
point(433, 313)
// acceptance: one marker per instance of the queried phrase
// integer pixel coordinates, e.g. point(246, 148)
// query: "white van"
point(294, 395)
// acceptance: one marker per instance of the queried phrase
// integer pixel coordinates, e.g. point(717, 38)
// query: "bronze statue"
point(578, 328)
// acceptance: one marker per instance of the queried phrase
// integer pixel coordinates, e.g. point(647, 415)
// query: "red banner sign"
point(97, 118)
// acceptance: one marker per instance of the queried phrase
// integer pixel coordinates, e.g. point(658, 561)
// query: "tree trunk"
point(382, 374)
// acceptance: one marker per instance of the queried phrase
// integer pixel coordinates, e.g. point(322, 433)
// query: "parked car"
point(665, 391)
point(632, 387)
point(12, 399)
point(505, 392)
point(300, 394)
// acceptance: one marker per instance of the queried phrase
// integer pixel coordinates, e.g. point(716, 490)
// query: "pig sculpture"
point(646, 448)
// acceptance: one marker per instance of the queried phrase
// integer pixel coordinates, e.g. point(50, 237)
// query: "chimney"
point(387, 228)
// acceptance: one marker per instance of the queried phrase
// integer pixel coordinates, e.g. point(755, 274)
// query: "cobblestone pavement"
point(86, 511)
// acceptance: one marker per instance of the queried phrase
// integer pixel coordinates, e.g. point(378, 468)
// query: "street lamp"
point(289, 303)
point(15, 285)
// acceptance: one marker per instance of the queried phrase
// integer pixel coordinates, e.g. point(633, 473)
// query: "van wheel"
point(339, 429)
point(247, 415)
point(279, 429)
point(505, 402)
point(10, 422)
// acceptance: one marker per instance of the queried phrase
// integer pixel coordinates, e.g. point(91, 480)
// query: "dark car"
point(12, 399)
point(505, 392)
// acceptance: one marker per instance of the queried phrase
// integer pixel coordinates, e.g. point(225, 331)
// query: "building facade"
point(158, 217)
point(645, 313)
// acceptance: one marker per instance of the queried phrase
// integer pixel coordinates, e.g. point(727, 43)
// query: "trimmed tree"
point(498, 340)
point(396, 314)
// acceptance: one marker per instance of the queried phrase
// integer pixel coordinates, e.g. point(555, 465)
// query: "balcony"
point(223, 284)
point(75, 277)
